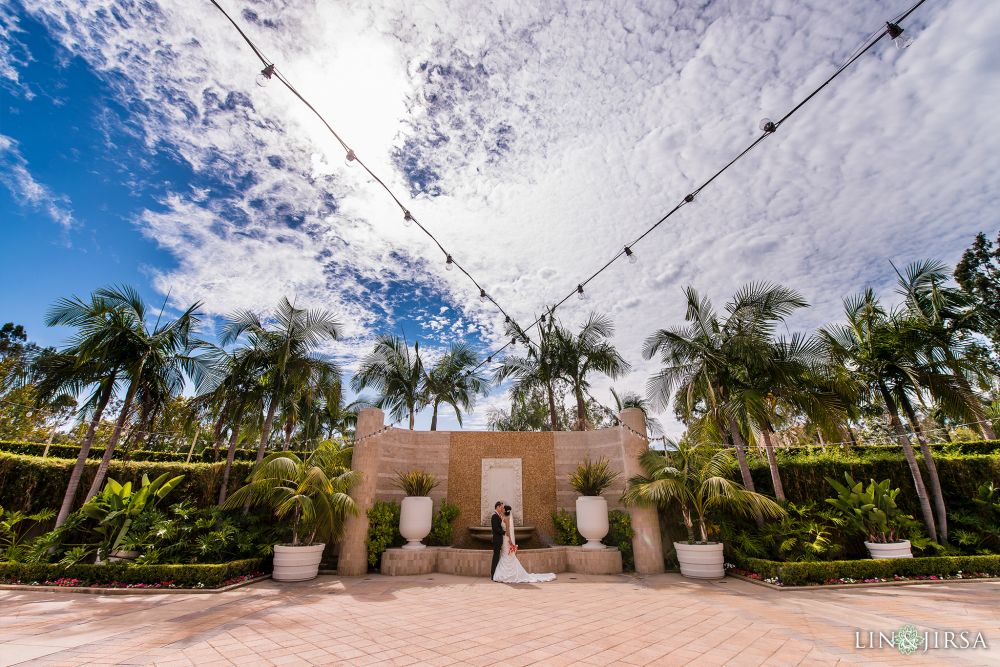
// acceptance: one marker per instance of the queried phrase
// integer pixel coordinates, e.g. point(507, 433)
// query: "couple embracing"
point(506, 568)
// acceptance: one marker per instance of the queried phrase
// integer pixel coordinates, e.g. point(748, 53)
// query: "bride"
point(509, 570)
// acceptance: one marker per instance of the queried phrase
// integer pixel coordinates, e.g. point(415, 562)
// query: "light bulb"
point(407, 217)
point(482, 295)
point(767, 125)
point(632, 259)
point(513, 341)
point(579, 293)
point(450, 264)
point(265, 76)
point(898, 35)
point(350, 157)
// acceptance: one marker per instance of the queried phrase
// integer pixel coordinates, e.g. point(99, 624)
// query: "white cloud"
point(27, 191)
point(556, 134)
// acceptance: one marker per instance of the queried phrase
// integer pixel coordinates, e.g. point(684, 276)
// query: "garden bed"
point(132, 578)
point(867, 572)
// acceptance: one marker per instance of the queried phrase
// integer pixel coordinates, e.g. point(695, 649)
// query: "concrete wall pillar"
point(353, 561)
point(647, 545)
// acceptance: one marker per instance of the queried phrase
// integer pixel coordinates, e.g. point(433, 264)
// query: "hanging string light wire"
point(767, 129)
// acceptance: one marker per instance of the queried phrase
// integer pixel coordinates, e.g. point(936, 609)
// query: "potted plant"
point(311, 493)
point(698, 478)
point(872, 512)
point(417, 508)
point(116, 507)
point(591, 480)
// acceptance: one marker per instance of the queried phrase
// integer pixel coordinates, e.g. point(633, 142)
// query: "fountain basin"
point(485, 533)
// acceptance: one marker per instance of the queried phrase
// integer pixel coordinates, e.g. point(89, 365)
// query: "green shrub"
point(32, 483)
point(208, 454)
point(416, 483)
point(801, 574)
point(592, 478)
point(566, 532)
point(804, 534)
point(72, 451)
point(383, 530)
point(620, 536)
point(442, 525)
point(184, 576)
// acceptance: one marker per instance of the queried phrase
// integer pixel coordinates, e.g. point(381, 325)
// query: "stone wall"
point(476, 562)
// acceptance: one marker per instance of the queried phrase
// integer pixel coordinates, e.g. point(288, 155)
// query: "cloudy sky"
point(534, 139)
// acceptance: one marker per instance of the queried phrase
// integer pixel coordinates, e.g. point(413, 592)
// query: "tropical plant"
point(585, 352)
point(978, 274)
point(803, 534)
point(870, 511)
point(416, 483)
point(116, 507)
point(383, 530)
point(442, 524)
point(396, 374)
point(631, 399)
point(593, 478)
point(539, 370)
point(454, 380)
point(696, 477)
point(978, 527)
point(13, 545)
point(283, 355)
point(312, 492)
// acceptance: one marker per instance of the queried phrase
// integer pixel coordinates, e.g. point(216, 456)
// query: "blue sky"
point(533, 139)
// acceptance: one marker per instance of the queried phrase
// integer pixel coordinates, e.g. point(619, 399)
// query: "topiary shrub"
point(383, 530)
point(442, 525)
point(805, 573)
point(120, 575)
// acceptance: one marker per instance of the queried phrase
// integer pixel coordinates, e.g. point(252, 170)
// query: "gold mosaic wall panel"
point(538, 474)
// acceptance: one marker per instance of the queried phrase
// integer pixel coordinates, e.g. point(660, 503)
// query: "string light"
point(351, 157)
point(767, 125)
point(407, 217)
point(449, 264)
point(632, 259)
point(482, 295)
point(265, 75)
point(579, 293)
point(896, 35)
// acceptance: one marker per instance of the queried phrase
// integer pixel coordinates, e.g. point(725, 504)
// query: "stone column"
point(647, 545)
point(353, 561)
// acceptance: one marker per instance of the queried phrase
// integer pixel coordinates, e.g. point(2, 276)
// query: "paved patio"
point(441, 620)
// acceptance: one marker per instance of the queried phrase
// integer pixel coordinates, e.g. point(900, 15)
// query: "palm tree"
point(284, 354)
point(947, 317)
point(585, 352)
point(396, 374)
point(454, 381)
point(631, 399)
point(537, 370)
point(871, 345)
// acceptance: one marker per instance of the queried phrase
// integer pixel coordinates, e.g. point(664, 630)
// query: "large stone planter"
point(592, 520)
point(899, 549)
point(415, 520)
point(296, 563)
point(701, 561)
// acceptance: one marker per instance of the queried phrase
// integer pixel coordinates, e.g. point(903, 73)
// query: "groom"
point(498, 533)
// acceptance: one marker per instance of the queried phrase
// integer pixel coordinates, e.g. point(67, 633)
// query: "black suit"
point(498, 533)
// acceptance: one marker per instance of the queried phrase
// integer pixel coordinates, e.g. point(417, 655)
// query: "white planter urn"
point(899, 549)
point(415, 520)
point(701, 561)
point(120, 555)
point(592, 520)
point(296, 563)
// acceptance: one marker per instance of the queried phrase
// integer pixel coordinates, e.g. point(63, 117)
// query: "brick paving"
point(448, 620)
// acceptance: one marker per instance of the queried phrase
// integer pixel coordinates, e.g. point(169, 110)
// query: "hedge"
point(119, 574)
point(957, 447)
point(32, 483)
point(72, 451)
point(804, 573)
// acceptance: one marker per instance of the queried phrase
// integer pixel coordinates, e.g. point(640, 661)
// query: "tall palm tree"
point(631, 399)
point(453, 381)
point(871, 345)
point(285, 354)
point(585, 352)
point(535, 371)
point(947, 317)
point(396, 374)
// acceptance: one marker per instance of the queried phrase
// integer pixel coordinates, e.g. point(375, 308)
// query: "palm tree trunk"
point(413, 415)
point(265, 433)
point(81, 459)
point(940, 511)
point(553, 417)
point(434, 416)
point(850, 433)
point(911, 460)
point(741, 453)
point(581, 410)
point(772, 462)
point(230, 457)
point(288, 434)
point(102, 469)
point(194, 441)
point(217, 431)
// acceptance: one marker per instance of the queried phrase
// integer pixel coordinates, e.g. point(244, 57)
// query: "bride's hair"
point(506, 510)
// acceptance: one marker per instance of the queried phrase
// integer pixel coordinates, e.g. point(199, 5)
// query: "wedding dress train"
point(510, 570)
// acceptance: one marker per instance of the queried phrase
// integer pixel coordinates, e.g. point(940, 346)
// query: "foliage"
point(978, 274)
point(383, 530)
point(529, 411)
point(121, 574)
point(416, 483)
point(396, 374)
point(804, 573)
point(870, 510)
point(116, 507)
point(313, 491)
point(65, 451)
point(442, 525)
point(454, 380)
point(697, 478)
point(587, 351)
point(978, 524)
point(566, 532)
point(803, 534)
point(13, 546)
point(593, 478)
point(30, 483)
point(620, 535)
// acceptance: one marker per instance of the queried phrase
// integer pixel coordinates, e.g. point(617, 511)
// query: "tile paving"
point(448, 620)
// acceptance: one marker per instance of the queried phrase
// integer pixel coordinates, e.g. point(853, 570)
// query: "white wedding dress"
point(510, 570)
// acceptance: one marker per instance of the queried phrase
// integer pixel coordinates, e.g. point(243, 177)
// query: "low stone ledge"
point(476, 562)
point(593, 561)
point(404, 562)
